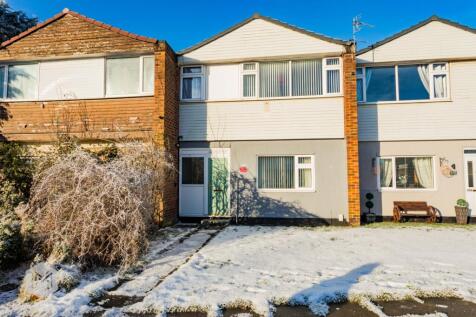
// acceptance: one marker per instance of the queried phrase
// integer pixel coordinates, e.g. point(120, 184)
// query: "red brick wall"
point(351, 137)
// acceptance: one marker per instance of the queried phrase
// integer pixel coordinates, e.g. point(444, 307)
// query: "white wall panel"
point(314, 118)
point(223, 81)
point(260, 38)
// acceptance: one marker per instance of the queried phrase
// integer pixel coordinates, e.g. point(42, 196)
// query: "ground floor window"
point(286, 172)
point(406, 172)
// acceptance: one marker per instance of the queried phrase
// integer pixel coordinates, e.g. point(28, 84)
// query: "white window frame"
point(431, 74)
point(193, 75)
point(324, 69)
point(394, 174)
point(141, 77)
point(104, 95)
point(5, 82)
point(249, 72)
point(297, 166)
point(361, 77)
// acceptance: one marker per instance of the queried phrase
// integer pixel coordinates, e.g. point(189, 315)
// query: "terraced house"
point(268, 125)
point(71, 74)
point(417, 112)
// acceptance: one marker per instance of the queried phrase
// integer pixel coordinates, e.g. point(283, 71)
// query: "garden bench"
point(411, 209)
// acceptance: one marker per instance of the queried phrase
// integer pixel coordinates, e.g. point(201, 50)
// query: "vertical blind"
point(274, 79)
point(276, 172)
point(122, 76)
point(249, 85)
point(306, 78)
point(333, 81)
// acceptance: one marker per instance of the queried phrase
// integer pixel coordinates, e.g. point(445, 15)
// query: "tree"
point(13, 22)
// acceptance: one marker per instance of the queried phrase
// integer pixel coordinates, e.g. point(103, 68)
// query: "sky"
point(184, 23)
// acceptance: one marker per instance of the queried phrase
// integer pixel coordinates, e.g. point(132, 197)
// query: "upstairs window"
point(129, 76)
point(314, 77)
point(402, 82)
point(19, 82)
point(274, 79)
point(192, 83)
point(249, 83)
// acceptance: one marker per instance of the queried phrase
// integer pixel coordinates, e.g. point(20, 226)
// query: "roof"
point(415, 27)
point(271, 20)
point(82, 17)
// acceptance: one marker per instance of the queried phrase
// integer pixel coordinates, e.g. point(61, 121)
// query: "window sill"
point(403, 102)
point(313, 190)
point(259, 99)
point(73, 99)
point(407, 189)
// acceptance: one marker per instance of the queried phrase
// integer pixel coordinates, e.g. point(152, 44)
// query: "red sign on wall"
point(243, 169)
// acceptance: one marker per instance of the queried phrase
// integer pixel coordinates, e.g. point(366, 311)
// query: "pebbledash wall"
point(74, 38)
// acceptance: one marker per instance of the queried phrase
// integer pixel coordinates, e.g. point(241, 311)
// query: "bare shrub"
point(98, 212)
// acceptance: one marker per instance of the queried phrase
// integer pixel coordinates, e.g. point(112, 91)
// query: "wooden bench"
point(411, 209)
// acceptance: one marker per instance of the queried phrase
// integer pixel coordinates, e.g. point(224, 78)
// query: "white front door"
point(470, 179)
point(193, 184)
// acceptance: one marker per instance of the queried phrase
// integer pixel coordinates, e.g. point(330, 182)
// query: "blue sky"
point(184, 23)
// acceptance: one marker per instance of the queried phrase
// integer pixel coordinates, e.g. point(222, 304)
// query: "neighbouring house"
point(417, 110)
point(268, 126)
point(74, 75)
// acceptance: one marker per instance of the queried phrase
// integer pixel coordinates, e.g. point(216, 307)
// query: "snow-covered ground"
point(261, 267)
point(265, 266)
point(93, 284)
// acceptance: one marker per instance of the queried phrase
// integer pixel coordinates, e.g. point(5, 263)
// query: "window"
point(439, 80)
point(193, 170)
point(406, 172)
point(19, 81)
point(313, 77)
point(192, 81)
point(274, 79)
point(360, 84)
point(402, 82)
point(307, 78)
point(287, 172)
point(129, 76)
point(332, 71)
point(380, 84)
point(249, 80)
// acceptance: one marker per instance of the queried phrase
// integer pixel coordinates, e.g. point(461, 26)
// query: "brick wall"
point(351, 136)
point(166, 87)
point(70, 35)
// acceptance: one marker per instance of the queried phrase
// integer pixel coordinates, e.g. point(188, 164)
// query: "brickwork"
point(149, 117)
point(351, 137)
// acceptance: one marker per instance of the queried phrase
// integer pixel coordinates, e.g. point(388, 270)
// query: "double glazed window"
point(406, 172)
point(286, 172)
point(291, 78)
point(402, 82)
point(19, 82)
point(129, 76)
point(192, 83)
point(77, 78)
point(277, 79)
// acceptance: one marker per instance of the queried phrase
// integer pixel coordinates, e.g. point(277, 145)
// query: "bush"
point(15, 183)
point(10, 242)
point(98, 212)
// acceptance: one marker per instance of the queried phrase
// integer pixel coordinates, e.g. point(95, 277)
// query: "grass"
point(397, 225)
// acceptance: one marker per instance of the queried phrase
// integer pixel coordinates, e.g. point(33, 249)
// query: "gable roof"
point(268, 19)
point(415, 27)
point(82, 17)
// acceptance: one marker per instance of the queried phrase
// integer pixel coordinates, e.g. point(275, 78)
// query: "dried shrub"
point(98, 212)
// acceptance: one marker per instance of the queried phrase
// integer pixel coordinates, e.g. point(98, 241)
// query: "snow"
point(266, 266)
point(92, 285)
